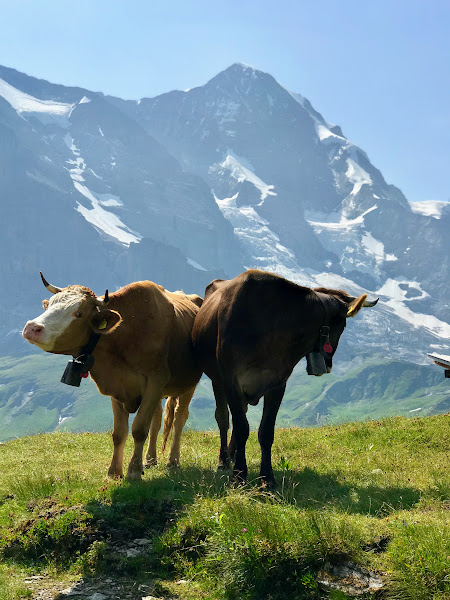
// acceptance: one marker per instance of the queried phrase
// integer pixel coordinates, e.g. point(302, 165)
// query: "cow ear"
point(355, 305)
point(105, 321)
point(45, 304)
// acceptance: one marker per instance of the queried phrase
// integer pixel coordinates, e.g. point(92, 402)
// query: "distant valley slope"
point(194, 185)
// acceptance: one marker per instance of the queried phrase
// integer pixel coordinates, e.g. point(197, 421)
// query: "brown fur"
point(144, 354)
point(249, 334)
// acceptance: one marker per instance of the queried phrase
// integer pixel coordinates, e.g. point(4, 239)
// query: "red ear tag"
point(328, 347)
point(84, 375)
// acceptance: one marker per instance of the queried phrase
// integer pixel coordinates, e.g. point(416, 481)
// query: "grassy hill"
point(32, 399)
point(369, 497)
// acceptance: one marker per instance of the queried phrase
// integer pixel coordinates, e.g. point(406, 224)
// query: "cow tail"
point(169, 414)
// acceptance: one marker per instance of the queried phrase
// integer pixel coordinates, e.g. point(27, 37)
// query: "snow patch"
point(325, 134)
point(392, 289)
point(69, 141)
point(109, 200)
point(399, 295)
point(356, 175)
point(432, 324)
point(103, 220)
point(343, 224)
point(196, 265)
point(22, 102)
point(429, 208)
point(356, 247)
point(376, 248)
point(242, 173)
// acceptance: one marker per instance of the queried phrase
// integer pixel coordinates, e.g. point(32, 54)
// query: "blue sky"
point(380, 69)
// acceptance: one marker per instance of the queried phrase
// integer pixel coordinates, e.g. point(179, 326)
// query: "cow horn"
point(370, 303)
point(51, 288)
point(103, 302)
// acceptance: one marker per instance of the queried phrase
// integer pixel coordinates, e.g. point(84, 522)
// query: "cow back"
point(153, 340)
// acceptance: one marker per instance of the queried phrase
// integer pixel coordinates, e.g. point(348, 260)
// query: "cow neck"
point(324, 338)
point(90, 346)
point(328, 305)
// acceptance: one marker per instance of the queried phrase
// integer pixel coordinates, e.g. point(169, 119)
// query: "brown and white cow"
point(143, 354)
point(249, 334)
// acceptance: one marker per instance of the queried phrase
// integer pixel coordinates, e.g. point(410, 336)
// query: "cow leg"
point(119, 436)
point(240, 432)
point(232, 444)
point(223, 422)
point(179, 421)
point(151, 399)
point(150, 457)
point(266, 432)
point(169, 415)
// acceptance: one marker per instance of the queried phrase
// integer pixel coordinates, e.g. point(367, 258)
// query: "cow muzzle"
point(33, 332)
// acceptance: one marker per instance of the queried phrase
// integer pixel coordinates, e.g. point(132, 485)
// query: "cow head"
point(339, 306)
point(69, 319)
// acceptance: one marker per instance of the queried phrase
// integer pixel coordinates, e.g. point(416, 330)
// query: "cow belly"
point(254, 383)
point(126, 387)
point(181, 383)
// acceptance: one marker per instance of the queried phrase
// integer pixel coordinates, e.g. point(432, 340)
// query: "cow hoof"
point(115, 476)
point(173, 464)
point(151, 462)
point(134, 475)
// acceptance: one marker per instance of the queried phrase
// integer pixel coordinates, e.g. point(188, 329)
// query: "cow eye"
point(78, 314)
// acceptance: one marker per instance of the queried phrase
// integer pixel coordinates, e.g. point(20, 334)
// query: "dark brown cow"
point(143, 354)
point(248, 336)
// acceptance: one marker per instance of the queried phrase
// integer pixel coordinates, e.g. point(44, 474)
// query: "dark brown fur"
point(248, 336)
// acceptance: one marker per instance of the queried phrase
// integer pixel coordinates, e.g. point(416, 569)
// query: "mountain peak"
point(243, 67)
point(242, 71)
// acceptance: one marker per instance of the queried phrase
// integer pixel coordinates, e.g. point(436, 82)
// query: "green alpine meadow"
point(359, 508)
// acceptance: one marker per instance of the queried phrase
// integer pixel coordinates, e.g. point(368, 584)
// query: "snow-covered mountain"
point(194, 185)
point(88, 196)
point(307, 203)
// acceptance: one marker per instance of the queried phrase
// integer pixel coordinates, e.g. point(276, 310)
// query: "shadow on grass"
point(306, 489)
point(309, 489)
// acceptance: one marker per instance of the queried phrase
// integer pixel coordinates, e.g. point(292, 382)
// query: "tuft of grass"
point(418, 557)
point(54, 536)
point(249, 542)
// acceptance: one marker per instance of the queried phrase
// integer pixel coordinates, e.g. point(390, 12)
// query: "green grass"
point(376, 494)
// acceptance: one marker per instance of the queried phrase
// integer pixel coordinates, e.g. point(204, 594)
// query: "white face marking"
point(58, 316)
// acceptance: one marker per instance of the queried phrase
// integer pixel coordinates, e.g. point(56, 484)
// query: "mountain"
point(307, 203)
point(194, 185)
point(87, 195)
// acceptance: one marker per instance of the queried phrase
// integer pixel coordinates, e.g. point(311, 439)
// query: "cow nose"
point(32, 331)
